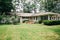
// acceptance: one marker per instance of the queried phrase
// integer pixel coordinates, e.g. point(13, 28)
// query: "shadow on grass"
point(9, 38)
point(9, 24)
point(57, 31)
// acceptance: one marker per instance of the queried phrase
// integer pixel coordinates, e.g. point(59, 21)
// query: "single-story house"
point(38, 16)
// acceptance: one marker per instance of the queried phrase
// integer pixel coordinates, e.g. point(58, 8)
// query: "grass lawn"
point(29, 32)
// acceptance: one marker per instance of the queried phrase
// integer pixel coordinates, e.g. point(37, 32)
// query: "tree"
point(27, 8)
point(50, 5)
point(5, 6)
point(30, 5)
point(57, 8)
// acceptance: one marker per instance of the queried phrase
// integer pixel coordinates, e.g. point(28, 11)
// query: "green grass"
point(29, 32)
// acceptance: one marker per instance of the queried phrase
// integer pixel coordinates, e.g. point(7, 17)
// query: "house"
point(38, 16)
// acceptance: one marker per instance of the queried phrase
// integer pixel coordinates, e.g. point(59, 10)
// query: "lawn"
point(29, 32)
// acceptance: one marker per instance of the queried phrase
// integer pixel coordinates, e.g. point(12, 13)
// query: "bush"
point(9, 20)
point(51, 22)
point(15, 22)
point(36, 22)
point(40, 21)
point(25, 21)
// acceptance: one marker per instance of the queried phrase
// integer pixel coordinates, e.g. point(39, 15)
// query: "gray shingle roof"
point(36, 14)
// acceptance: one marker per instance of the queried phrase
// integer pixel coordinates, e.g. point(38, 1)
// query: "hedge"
point(40, 21)
point(25, 21)
point(51, 22)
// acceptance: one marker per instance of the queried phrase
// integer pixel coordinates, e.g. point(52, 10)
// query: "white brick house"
point(38, 16)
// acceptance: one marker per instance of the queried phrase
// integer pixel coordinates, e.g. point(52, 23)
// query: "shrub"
point(9, 20)
point(36, 22)
point(15, 22)
point(51, 22)
point(40, 21)
point(1, 17)
point(25, 21)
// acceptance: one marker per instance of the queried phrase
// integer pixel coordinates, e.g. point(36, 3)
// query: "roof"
point(24, 14)
point(36, 14)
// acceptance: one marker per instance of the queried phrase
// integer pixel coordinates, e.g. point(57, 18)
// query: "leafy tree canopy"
point(5, 6)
